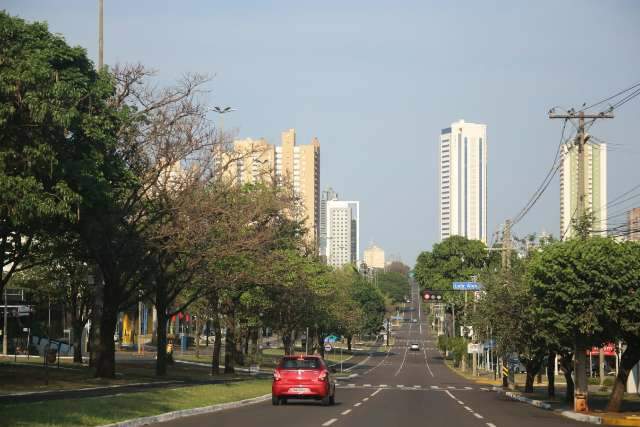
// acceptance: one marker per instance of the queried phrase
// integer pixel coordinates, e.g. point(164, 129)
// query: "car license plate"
point(298, 390)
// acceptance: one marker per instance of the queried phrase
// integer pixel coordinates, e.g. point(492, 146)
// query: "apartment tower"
point(328, 194)
point(253, 160)
point(343, 232)
point(595, 167)
point(463, 181)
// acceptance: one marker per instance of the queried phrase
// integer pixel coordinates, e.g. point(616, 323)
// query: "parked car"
point(303, 377)
point(414, 347)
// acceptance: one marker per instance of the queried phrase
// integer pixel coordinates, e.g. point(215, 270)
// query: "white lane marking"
point(477, 415)
point(331, 421)
point(468, 409)
point(376, 392)
point(402, 364)
point(468, 388)
point(346, 412)
point(417, 386)
point(451, 387)
point(357, 404)
point(484, 389)
point(491, 425)
point(367, 385)
point(450, 395)
point(365, 399)
point(382, 385)
point(381, 362)
point(400, 386)
point(461, 402)
point(426, 360)
point(435, 387)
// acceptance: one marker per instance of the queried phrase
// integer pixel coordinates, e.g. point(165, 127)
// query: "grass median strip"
point(106, 410)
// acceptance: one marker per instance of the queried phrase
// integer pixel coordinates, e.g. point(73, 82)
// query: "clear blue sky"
point(376, 81)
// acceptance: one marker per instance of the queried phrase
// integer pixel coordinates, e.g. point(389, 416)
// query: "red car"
point(303, 377)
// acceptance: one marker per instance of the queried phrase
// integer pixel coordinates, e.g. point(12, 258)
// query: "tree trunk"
point(161, 330)
point(229, 343)
point(533, 366)
point(321, 344)
point(567, 367)
point(217, 345)
point(78, 326)
point(349, 338)
point(105, 366)
point(287, 342)
point(630, 357)
point(551, 374)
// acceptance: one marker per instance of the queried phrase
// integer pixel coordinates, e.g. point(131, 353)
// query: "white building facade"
point(463, 181)
point(343, 232)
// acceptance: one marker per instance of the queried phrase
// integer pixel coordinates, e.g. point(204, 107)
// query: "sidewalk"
point(629, 415)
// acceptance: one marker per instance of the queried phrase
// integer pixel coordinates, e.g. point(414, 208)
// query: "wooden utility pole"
point(100, 34)
point(506, 247)
point(581, 394)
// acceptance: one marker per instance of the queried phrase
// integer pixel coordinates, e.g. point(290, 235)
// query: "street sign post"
point(466, 286)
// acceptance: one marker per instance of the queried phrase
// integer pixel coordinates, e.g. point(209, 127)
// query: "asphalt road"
point(397, 387)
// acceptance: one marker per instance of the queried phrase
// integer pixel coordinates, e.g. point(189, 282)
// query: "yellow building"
point(254, 160)
point(374, 257)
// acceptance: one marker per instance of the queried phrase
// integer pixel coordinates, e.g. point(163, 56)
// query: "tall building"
point(374, 257)
point(343, 232)
point(328, 194)
point(595, 167)
point(634, 224)
point(252, 160)
point(463, 181)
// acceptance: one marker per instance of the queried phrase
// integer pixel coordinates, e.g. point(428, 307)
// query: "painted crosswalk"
point(415, 387)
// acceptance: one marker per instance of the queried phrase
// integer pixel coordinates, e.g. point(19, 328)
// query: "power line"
point(611, 97)
point(546, 181)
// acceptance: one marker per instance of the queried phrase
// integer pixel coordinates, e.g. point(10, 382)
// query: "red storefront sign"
point(609, 350)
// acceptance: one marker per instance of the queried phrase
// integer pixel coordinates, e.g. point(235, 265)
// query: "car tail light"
point(276, 376)
point(323, 376)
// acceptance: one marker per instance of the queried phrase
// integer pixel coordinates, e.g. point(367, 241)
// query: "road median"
point(129, 408)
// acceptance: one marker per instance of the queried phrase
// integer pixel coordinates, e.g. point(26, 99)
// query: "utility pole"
point(580, 398)
point(506, 247)
point(100, 34)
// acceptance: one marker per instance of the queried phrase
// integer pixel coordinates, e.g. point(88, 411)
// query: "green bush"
point(456, 346)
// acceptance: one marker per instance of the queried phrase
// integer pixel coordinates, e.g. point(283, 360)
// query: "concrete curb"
point(347, 378)
point(585, 418)
point(135, 422)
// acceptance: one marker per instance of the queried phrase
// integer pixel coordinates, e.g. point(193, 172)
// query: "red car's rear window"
point(304, 363)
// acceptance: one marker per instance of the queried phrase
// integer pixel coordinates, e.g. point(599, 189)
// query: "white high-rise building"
point(343, 232)
point(328, 194)
point(595, 168)
point(463, 181)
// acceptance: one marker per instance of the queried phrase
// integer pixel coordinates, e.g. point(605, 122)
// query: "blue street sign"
point(466, 286)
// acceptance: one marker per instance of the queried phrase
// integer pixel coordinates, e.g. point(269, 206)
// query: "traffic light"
point(431, 296)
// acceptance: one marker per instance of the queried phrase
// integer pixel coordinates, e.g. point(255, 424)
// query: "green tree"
point(53, 119)
point(576, 284)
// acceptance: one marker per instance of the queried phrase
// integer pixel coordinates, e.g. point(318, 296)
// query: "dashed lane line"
point(365, 399)
point(376, 392)
point(475, 414)
point(331, 421)
point(357, 404)
point(346, 412)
